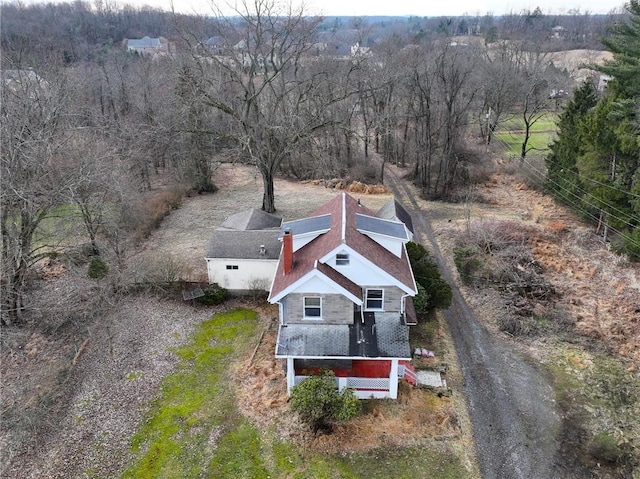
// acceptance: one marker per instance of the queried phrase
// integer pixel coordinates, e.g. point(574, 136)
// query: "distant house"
point(344, 288)
point(243, 252)
point(147, 46)
point(215, 45)
point(358, 50)
point(558, 32)
point(26, 83)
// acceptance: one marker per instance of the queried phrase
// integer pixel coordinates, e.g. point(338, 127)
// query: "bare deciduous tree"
point(256, 77)
point(33, 135)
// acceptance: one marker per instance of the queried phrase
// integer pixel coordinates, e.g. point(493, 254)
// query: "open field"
point(126, 396)
point(510, 135)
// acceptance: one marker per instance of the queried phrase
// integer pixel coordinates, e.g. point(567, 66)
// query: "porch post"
point(291, 374)
point(393, 379)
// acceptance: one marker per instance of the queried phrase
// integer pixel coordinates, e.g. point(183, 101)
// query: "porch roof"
point(383, 335)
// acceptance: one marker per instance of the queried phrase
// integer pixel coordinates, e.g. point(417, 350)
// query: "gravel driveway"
point(510, 401)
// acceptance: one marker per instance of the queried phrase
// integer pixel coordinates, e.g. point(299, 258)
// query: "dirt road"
point(510, 401)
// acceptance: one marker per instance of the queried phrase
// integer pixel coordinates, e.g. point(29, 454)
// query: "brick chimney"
point(287, 251)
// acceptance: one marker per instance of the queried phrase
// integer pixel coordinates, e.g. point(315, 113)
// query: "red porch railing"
point(408, 372)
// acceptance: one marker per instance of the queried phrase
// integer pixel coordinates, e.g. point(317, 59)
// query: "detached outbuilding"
point(243, 252)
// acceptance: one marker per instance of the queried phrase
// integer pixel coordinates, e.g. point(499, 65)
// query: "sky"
point(423, 8)
point(411, 7)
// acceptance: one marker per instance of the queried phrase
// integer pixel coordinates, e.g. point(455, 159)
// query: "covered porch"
point(369, 379)
point(365, 356)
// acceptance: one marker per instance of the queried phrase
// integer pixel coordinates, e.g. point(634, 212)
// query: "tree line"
point(594, 165)
point(88, 126)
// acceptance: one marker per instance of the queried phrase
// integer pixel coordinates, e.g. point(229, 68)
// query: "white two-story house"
point(344, 288)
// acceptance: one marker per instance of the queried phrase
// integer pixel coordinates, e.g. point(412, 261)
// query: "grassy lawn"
point(510, 135)
point(194, 428)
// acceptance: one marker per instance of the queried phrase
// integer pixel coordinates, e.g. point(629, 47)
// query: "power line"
point(614, 188)
point(542, 176)
point(584, 211)
point(622, 220)
point(507, 145)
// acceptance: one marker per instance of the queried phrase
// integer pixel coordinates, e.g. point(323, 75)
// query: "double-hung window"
point(312, 308)
point(374, 299)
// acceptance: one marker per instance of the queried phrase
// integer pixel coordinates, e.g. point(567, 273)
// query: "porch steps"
point(409, 373)
point(423, 377)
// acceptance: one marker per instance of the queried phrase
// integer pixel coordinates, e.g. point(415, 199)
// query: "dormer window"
point(342, 259)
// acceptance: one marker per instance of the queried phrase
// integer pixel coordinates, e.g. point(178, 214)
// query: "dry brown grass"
point(184, 234)
point(598, 289)
point(262, 397)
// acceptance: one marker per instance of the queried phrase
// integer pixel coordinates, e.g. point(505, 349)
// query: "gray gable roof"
point(233, 244)
point(369, 224)
point(319, 224)
point(144, 42)
point(214, 41)
point(253, 219)
point(393, 209)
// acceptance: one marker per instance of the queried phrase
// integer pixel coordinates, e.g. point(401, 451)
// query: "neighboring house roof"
point(215, 40)
point(234, 244)
point(343, 211)
point(144, 42)
point(243, 235)
point(393, 209)
point(25, 81)
point(253, 219)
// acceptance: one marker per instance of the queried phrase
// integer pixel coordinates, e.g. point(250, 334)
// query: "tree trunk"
point(268, 196)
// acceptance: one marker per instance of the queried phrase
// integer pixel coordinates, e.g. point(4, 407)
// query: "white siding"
point(315, 285)
point(250, 272)
point(360, 272)
point(393, 245)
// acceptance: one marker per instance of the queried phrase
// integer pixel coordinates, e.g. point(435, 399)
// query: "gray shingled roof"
point(253, 219)
point(244, 244)
point(390, 336)
point(379, 226)
point(144, 42)
point(393, 209)
point(313, 340)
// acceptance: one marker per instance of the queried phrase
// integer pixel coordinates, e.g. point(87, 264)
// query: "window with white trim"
point(232, 266)
point(342, 259)
point(312, 308)
point(374, 299)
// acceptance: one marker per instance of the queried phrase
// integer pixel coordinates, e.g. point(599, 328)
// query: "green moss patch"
point(194, 429)
point(194, 401)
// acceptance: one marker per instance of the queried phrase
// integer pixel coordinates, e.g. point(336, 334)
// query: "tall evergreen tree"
point(563, 174)
point(595, 163)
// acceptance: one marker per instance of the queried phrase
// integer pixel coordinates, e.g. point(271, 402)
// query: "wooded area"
point(594, 165)
point(88, 125)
